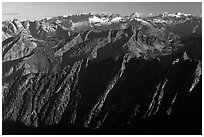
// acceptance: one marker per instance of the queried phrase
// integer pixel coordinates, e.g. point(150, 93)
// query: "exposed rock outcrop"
point(129, 80)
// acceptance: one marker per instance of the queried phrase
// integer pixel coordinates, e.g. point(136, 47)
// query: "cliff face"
point(136, 79)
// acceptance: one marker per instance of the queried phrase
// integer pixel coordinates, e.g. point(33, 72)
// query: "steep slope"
point(106, 79)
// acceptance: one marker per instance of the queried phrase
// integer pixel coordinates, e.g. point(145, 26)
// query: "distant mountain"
point(96, 73)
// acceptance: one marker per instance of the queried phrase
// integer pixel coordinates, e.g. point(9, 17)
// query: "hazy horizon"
point(40, 10)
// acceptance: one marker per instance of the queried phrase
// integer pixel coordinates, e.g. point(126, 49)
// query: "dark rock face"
point(134, 80)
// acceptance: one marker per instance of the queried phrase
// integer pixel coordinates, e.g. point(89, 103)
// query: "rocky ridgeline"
point(125, 73)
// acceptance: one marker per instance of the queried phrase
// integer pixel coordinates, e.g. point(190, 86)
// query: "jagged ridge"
point(106, 77)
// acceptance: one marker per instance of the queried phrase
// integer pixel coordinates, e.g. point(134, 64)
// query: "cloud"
point(9, 14)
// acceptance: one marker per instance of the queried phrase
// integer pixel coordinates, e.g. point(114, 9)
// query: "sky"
point(40, 10)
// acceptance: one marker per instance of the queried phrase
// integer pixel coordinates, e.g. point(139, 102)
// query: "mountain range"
point(96, 73)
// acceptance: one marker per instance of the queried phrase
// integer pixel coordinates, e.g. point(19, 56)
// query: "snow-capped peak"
point(178, 14)
point(136, 14)
point(95, 19)
point(112, 16)
point(65, 16)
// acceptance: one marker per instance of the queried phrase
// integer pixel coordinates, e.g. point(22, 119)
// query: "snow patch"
point(194, 29)
point(178, 14)
point(95, 19)
point(116, 19)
